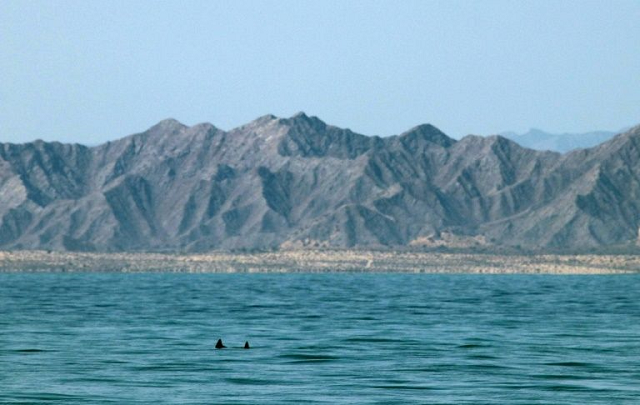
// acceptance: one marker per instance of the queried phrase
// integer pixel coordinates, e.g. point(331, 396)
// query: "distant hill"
point(296, 182)
point(540, 140)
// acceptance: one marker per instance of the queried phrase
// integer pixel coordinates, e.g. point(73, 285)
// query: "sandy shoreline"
point(318, 261)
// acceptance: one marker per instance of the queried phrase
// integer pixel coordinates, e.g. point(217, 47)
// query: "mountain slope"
point(278, 182)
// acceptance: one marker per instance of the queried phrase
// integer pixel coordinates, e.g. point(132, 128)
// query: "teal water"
point(319, 338)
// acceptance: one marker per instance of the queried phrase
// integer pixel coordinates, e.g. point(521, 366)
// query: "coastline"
point(318, 261)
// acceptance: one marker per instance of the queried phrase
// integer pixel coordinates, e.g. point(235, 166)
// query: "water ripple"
point(318, 338)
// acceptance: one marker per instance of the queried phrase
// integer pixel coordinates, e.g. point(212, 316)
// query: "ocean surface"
point(319, 338)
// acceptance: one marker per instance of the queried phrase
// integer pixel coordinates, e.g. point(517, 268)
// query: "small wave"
point(565, 387)
point(569, 364)
point(308, 358)
point(404, 387)
point(482, 357)
point(371, 340)
point(562, 377)
point(250, 381)
point(48, 396)
point(486, 367)
point(471, 346)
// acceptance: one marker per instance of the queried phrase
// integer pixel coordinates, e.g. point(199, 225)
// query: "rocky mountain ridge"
point(299, 182)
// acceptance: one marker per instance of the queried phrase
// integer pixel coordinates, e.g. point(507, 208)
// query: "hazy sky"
point(90, 71)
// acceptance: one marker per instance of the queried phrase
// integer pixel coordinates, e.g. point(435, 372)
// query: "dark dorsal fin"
point(219, 345)
point(246, 345)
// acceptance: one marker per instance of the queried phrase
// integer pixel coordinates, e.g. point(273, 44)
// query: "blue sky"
point(91, 71)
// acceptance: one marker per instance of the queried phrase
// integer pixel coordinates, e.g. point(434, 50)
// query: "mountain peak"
point(266, 118)
point(428, 133)
point(302, 119)
point(169, 123)
point(538, 139)
point(165, 126)
point(262, 120)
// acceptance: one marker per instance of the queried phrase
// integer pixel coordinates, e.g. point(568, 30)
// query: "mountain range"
point(540, 140)
point(299, 182)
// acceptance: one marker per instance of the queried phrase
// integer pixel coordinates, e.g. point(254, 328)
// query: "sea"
point(334, 338)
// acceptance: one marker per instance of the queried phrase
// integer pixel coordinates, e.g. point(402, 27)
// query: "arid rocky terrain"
point(318, 261)
point(298, 182)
